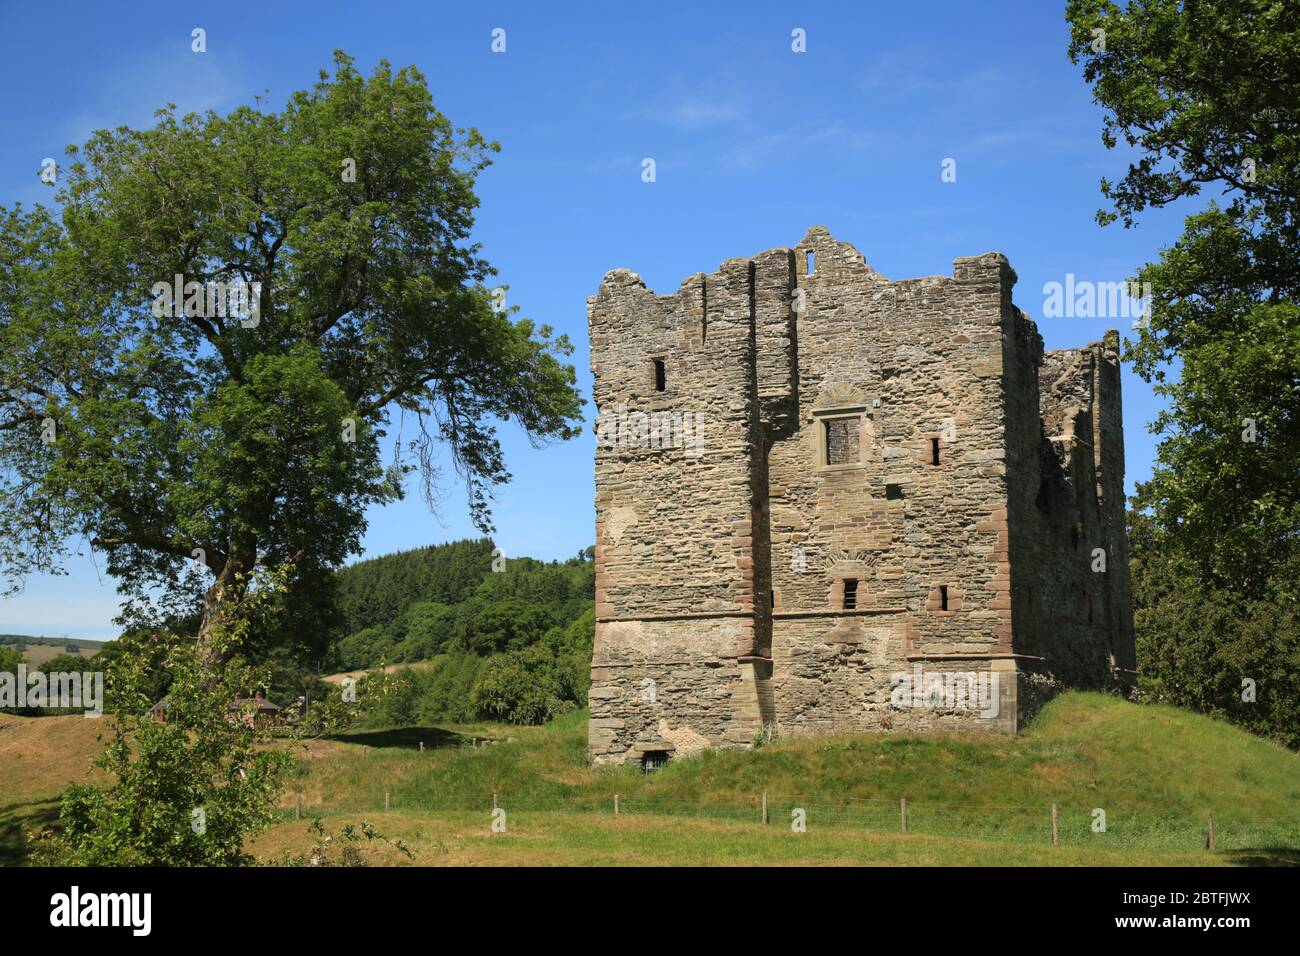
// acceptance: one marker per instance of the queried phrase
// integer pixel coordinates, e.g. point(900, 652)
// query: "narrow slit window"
point(934, 451)
point(943, 597)
point(812, 262)
point(661, 375)
point(850, 594)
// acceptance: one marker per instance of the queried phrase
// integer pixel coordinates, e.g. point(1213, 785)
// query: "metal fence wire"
point(1063, 825)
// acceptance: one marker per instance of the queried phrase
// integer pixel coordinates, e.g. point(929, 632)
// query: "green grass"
point(565, 838)
point(1157, 772)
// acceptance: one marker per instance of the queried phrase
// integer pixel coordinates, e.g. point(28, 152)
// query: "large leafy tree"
point(191, 446)
point(1206, 96)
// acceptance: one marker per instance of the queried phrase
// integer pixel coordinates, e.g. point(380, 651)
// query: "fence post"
point(1209, 837)
point(765, 806)
point(616, 804)
point(385, 799)
point(421, 746)
point(1055, 831)
point(902, 808)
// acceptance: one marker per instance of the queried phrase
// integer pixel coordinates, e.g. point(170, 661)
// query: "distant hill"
point(459, 596)
point(506, 638)
point(38, 650)
point(378, 591)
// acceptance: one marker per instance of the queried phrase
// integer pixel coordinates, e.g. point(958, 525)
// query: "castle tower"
point(829, 502)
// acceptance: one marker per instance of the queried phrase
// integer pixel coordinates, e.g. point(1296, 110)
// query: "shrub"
point(185, 792)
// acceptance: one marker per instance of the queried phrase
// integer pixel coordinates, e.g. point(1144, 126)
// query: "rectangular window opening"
point(661, 375)
point(894, 492)
point(812, 262)
point(934, 451)
point(653, 760)
point(943, 597)
point(842, 441)
point(850, 594)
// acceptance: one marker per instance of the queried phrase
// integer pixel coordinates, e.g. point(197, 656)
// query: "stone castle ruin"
point(828, 502)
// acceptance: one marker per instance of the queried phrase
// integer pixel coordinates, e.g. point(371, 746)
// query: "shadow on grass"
point(1265, 856)
point(408, 738)
point(19, 817)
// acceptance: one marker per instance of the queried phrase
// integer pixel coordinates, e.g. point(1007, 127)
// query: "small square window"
point(894, 492)
point(850, 594)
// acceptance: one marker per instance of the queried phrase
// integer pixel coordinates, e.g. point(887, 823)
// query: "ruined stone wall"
point(1027, 453)
point(1075, 552)
point(827, 392)
point(913, 363)
point(1108, 439)
point(676, 620)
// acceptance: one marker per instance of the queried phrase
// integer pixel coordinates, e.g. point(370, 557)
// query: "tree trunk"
point(224, 597)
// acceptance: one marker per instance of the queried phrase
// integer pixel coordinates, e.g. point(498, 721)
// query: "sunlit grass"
point(1157, 774)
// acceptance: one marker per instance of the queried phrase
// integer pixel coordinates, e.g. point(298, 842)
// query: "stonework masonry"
point(903, 514)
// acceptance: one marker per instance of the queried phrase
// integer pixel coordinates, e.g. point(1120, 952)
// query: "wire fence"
point(1053, 824)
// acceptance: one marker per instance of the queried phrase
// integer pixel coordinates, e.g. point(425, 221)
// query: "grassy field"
point(38, 650)
point(1157, 773)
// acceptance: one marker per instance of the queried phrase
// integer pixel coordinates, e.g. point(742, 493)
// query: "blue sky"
point(753, 144)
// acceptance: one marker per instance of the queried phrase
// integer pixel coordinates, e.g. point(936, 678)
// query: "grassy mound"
point(1156, 773)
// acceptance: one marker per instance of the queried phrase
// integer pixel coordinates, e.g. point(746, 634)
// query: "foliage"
point(377, 592)
point(368, 648)
point(191, 446)
point(1207, 94)
point(446, 689)
point(1213, 649)
point(69, 663)
point(516, 647)
point(342, 849)
point(430, 629)
point(150, 677)
point(186, 791)
point(9, 660)
point(520, 687)
point(411, 697)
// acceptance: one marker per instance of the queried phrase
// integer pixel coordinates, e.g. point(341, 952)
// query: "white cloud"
point(696, 104)
point(129, 90)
